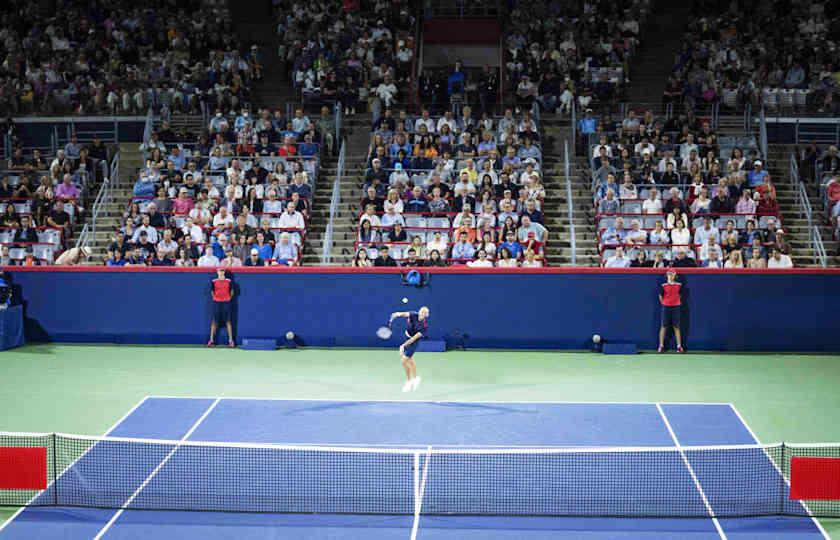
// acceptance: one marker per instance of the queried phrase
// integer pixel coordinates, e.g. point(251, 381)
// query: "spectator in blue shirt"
point(264, 249)
point(462, 248)
point(514, 247)
point(615, 234)
point(529, 150)
point(177, 158)
point(300, 187)
point(531, 211)
point(399, 144)
point(219, 246)
point(756, 176)
point(588, 125)
point(307, 148)
point(285, 252)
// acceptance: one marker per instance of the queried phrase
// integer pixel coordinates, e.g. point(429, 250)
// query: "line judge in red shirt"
point(222, 293)
point(670, 296)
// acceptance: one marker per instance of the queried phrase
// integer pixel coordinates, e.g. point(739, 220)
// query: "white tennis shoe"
point(407, 386)
point(415, 383)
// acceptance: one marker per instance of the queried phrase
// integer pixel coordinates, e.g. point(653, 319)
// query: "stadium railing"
point(103, 200)
point(570, 201)
point(803, 203)
point(335, 200)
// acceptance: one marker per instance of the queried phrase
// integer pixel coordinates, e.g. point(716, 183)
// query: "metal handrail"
point(574, 124)
point(335, 200)
point(150, 125)
point(569, 200)
point(339, 120)
point(103, 199)
point(820, 256)
point(815, 241)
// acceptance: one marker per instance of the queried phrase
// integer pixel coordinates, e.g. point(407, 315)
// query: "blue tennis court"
point(486, 457)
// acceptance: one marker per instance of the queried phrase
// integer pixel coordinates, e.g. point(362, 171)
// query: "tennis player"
point(670, 296)
point(417, 326)
point(222, 293)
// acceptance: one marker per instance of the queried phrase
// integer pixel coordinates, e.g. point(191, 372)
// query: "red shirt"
point(671, 294)
point(221, 290)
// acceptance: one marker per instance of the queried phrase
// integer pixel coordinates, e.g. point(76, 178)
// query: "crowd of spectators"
point(239, 194)
point(95, 57)
point(557, 53)
point(676, 194)
point(357, 52)
point(778, 53)
point(42, 197)
point(446, 190)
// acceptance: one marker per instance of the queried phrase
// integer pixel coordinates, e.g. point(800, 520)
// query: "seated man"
point(615, 234)
point(619, 260)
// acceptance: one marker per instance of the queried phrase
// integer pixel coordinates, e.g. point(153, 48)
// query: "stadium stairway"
point(256, 24)
point(652, 63)
point(131, 160)
point(357, 139)
point(794, 224)
point(555, 130)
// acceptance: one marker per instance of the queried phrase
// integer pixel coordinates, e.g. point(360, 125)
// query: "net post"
point(54, 436)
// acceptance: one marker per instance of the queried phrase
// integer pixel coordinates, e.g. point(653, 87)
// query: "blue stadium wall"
point(553, 308)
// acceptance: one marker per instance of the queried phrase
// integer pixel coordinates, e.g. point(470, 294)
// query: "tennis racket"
point(383, 332)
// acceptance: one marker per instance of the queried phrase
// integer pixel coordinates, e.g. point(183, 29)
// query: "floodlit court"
point(458, 460)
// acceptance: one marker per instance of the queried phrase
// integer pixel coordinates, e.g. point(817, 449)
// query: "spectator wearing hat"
point(254, 258)
point(757, 175)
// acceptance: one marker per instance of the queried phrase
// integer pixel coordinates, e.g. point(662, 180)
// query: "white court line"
point(418, 502)
point(520, 402)
point(160, 466)
point(91, 447)
point(778, 470)
point(691, 472)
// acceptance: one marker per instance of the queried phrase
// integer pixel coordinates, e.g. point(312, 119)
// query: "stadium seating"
point(171, 57)
point(427, 184)
point(635, 213)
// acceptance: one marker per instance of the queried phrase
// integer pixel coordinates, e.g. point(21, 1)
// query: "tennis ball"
point(596, 338)
point(404, 300)
point(290, 335)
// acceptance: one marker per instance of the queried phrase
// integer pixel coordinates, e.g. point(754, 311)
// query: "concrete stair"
point(356, 131)
point(257, 25)
point(661, 39)
point(554, 131)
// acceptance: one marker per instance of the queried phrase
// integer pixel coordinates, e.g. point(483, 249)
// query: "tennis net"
point(720, 481)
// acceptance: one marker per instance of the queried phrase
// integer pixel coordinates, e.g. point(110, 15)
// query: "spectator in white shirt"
point(637, 235)
point(709, 247)
point(168, 246)
point(448, 120)
point(200, 215)
point(653, 204)
point(680, 236)
point(390, 217)
point(659, 235)
point(272, 205)
point(628, 188)
point(687, 147)
point(425, 120)
point(779, 260)
point(437, 244)
point(151, 232)
point(663, 164)
point(702, 234)
point(531, 260)
point(386, 91)
point(619, 260)
point(370, 215)
point(291, 218)
point(193, 231)
point(482, 261)
point(208, 259)
point(222, 219)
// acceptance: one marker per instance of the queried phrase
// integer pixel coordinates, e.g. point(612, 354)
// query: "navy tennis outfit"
point(413, 326)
